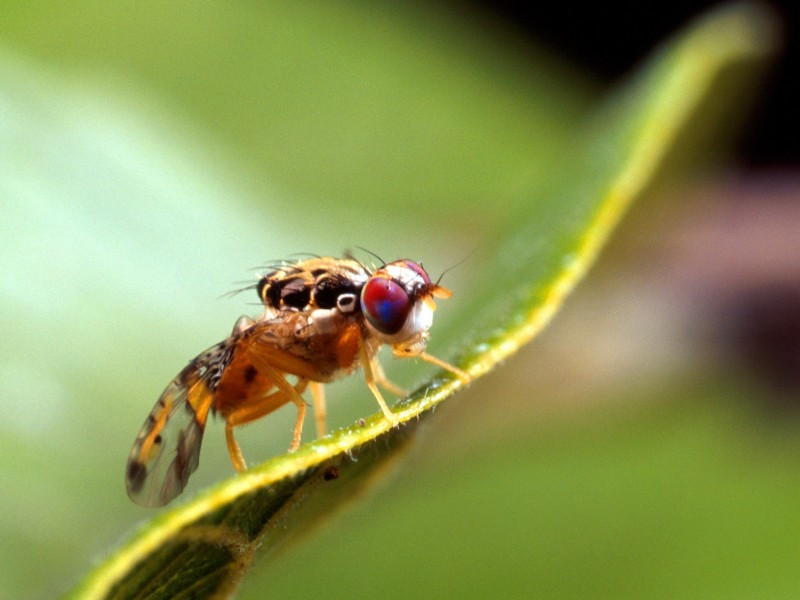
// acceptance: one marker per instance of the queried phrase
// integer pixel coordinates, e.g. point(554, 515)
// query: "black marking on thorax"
point(298, 290)
point(330, 287)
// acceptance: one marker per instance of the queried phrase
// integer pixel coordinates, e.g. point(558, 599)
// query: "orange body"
point(321, 320)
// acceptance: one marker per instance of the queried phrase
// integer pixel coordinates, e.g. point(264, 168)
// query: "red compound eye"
point(385, 304)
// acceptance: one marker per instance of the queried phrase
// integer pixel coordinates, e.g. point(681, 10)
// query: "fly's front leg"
point(383, 381)
point(369, 376)
point(460, 373)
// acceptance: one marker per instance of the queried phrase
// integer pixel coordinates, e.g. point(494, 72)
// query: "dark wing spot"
point(181, 462)
point(250, 374)
point(137, 473)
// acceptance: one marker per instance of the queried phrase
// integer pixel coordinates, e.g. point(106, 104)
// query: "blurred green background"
point(151, 154)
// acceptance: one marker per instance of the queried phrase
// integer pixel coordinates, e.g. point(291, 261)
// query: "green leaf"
point(206, 546)
point(153, 153)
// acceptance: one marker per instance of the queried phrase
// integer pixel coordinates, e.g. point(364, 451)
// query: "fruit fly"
point(323, 318)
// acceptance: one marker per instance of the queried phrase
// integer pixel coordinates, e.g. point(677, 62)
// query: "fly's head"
point(398, 303)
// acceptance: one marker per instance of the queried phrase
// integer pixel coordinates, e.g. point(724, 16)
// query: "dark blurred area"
point(735, 258)
point(769, 337)
point(610, 38)
point(737, 246)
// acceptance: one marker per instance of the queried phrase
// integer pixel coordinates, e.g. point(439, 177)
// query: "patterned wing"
point(167, 449)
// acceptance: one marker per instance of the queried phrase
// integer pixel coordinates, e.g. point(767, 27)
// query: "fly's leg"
point(277, 377)
point(369, 376)
point(461, 374)
point(383, 381)
point(320, 410)
point(256, 408)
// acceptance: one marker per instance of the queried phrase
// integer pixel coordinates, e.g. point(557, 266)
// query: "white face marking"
point(417, 324)
point(420, 319)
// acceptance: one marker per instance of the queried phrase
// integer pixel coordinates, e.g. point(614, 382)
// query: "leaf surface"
point(204, 547)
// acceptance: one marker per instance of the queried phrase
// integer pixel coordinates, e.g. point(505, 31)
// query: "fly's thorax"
point(318, 283)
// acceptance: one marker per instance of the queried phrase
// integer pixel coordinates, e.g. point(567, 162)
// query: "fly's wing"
point(167, 449)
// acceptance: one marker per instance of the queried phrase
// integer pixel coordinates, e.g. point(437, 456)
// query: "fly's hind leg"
point(255, 408)
point(320, 410)
point(263, 365)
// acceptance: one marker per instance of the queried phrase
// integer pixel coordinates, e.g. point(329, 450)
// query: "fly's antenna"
point(458, 264)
